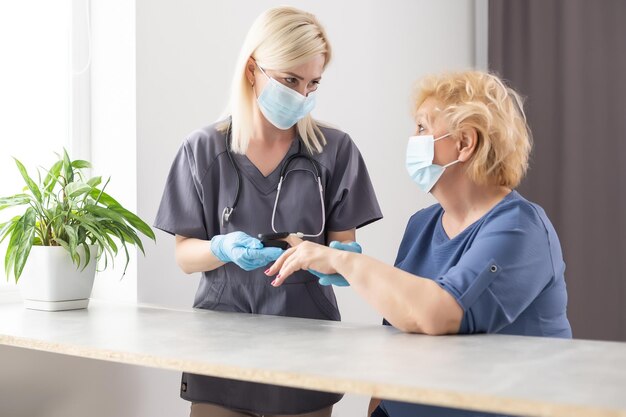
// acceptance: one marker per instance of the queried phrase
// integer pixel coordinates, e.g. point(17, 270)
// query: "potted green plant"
point(69, 226)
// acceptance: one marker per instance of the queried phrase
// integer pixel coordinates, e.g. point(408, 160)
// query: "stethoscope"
point(228, 211)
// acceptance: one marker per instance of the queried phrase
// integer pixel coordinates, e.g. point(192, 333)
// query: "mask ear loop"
point(442, 137)
point(262, 70)
point(453, 162)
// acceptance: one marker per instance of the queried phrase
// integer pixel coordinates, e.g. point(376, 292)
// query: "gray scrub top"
point(202, 181)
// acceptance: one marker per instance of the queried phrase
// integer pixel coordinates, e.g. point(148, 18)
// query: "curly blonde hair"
point(481, 101)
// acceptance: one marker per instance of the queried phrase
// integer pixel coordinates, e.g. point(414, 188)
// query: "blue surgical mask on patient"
point(281, 105)
point(420, 153)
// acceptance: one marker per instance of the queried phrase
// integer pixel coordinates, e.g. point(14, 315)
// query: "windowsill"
point(9, 295)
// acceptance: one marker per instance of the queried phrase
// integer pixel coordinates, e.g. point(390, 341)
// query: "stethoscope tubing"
point(228, 211)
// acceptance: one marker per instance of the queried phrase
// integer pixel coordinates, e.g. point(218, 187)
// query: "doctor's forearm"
point(194, 255)
point(410, 303)
point(342, 236)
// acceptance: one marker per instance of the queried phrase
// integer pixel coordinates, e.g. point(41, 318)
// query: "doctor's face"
point(429, 120)
point(304, 78)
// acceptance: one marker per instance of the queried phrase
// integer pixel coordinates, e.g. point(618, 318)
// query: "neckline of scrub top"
point(265, 184)
point(442, 235)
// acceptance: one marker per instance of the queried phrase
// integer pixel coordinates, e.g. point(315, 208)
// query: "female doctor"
point(482, 260)
point(223, 190)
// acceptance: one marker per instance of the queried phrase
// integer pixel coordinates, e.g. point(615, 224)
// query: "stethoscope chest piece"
point(226, 213)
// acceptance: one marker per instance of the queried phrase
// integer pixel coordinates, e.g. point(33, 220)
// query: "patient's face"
point(429, 120)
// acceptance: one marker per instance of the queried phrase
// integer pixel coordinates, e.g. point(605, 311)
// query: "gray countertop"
point(509, 374)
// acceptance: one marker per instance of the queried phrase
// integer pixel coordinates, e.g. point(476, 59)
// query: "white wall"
point(40, 384)
point(114, 125)
point(170, 75)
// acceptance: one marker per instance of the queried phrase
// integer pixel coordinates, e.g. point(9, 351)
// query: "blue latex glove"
point(337, 279)
point(244, 250)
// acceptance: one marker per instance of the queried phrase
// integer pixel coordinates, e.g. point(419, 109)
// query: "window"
point(42, 81)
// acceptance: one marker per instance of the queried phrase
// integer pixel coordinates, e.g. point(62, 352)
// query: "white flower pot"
point(51, 282)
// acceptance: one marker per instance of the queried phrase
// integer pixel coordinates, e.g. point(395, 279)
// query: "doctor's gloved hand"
point(244, 250)
point(337, 279)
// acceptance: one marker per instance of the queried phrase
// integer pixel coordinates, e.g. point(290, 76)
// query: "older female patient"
point(482, 260)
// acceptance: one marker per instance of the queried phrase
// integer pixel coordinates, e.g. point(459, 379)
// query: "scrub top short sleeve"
point(351, 201)
point(181, 210)
point(502, 273)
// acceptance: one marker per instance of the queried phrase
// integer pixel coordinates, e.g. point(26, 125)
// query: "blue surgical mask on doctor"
point(420, 153)
point(281, 105)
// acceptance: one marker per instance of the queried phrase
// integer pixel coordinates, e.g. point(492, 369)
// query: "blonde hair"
point(279, 39)
point(480, 100)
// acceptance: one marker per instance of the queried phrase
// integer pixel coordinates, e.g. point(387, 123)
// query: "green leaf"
point(125, 234)
point(105, 213)
point(7, 227)
point(14, 201)
point(94, 181)
point(127, 257)
point(68, 172)
point(123, 239)
point(130, 236)
point(79, 164)
point(96, 232)
point(26, 241)
point(53, 176)
point(111, 243)
point(29, 182)
point(135, 221)
point(76, 188)
point(82, 234)
point(73, 240)
point(62, 243)
point(128, 216)
point(16, 236)
point(103, 198)
point(87, 255)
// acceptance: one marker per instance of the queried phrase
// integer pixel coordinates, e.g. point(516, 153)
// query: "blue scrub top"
point(506, 271)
